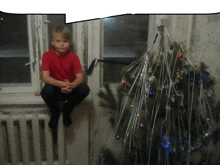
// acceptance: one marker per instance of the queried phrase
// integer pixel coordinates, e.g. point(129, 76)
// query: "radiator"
point(26, 139)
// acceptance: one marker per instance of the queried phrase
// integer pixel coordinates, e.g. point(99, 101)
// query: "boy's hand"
point(66, 87)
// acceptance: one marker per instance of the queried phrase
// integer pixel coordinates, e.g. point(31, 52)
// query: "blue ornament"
point(164, 138)
point(204, 74)
point(194, 78)
point(102, 159)
point(166, 144)
point(151, 93)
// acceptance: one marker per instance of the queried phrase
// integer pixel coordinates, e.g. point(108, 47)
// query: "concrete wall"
point(199, 35)
point(205, 43)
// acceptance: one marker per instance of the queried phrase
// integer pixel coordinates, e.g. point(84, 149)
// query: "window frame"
point(37, 30)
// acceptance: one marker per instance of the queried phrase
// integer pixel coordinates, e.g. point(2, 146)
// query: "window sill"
point(21, 103)
point(26, 103)
point(20, 99)
point(27, 99)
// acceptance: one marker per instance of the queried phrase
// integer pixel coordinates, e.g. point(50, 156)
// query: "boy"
point(63, 77)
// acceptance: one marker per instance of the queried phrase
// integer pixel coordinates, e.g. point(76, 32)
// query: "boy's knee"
point(84, 89)
point(47, 91)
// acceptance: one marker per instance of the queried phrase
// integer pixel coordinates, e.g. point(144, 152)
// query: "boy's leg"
point(74, 98)
point(51, 95)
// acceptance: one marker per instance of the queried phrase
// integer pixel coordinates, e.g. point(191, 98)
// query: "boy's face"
point(60, 44)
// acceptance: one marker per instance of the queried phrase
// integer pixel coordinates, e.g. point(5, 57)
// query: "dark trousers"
point(52, 95)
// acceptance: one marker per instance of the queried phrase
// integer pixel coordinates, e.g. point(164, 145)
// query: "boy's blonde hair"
point(66, 33)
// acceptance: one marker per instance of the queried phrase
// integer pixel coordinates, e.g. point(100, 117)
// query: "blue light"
point(164, 138)
point(166, 145)
point(151, 93)
point(102, 159)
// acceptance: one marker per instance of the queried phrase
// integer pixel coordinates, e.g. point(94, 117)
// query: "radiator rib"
point(15, 126)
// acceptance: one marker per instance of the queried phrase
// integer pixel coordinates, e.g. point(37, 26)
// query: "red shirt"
point(61, 67)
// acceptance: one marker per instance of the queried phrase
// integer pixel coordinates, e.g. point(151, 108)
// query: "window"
point(14, 50)
point(22, 41)
point(122, 35)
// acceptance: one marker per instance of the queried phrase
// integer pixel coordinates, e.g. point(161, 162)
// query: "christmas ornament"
point(179, 54)
point(204, 78)
point(110, 111)
point(152, 78)
point(123, 82)
point(151, 93)
point(132, 104)
point(102, 159)
point(177, 72)
point(166, 144)
point(141, 125)
point(194, 77)
point(118, 137)
point(204, 75)
point(150, 72)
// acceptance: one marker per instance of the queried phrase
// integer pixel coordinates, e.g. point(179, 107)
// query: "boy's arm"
point(77, 81)
point(50, 80)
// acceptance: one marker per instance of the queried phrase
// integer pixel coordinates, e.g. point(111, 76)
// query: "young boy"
point(63, 77)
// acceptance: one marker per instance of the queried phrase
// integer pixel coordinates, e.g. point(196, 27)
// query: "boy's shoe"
point(53, 123)
point(67, 121)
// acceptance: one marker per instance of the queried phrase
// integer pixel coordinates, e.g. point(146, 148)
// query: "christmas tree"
point(165, 109)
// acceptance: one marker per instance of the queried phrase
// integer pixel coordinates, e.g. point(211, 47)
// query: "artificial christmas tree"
point(165, 109)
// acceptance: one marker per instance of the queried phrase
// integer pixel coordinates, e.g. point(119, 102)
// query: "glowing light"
point(166, 145)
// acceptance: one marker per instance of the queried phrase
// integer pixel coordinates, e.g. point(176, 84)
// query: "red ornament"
point(179, 54)
point(123, 82)
point(177, 72)
point(110, 111)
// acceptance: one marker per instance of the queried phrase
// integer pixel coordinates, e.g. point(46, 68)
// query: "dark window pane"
point(122, 36)
point(14, 49)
